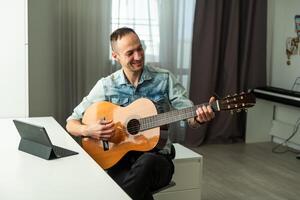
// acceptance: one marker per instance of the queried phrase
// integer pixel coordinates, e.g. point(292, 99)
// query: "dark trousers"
point(139, 174)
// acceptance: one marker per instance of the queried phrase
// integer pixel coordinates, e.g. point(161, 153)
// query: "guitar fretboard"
point(170, 117)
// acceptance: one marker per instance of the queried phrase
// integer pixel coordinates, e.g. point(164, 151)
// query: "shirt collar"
point(146, 75)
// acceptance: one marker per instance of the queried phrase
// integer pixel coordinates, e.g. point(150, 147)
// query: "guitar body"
point(122, 142)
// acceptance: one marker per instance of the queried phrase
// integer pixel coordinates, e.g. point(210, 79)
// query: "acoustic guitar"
point(137, 126)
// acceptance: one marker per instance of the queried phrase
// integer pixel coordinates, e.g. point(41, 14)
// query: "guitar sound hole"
point(133, 126)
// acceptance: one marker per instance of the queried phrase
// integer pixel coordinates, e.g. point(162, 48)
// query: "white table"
point(24, 176)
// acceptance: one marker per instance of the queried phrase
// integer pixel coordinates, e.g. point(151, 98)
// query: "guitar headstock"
point(236, 102)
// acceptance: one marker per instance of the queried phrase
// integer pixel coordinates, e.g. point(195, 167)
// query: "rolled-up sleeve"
point(95, 95)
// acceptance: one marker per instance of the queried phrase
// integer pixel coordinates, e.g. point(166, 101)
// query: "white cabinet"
point(187, 176)
point(259, 121)
point(13, 59)
point(272, 121)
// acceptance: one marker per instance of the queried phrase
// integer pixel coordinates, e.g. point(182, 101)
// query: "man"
point(138, 173)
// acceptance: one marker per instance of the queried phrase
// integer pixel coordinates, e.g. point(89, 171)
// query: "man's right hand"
point(103, 130)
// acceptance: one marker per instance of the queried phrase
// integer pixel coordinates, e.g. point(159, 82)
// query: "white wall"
point(13, 59)
point(27, 72)
point(281, 26)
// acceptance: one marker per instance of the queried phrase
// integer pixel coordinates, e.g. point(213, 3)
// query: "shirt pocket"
point(119, 100)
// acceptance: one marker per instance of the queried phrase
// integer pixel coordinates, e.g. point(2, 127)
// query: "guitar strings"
point(162, 118)
point(149, 125)
point(190, 111)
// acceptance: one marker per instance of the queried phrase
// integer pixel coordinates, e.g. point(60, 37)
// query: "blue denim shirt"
point(156, 84)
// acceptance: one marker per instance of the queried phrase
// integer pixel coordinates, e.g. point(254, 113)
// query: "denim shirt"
point(156, 84)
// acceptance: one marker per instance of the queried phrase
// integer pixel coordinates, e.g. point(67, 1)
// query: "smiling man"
point(138, 173)
point(128, 51)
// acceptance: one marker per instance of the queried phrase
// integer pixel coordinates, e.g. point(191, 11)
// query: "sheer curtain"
point(176, 18)
point(84, 31)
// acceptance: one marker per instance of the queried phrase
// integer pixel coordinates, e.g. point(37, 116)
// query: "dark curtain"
point(228, 56)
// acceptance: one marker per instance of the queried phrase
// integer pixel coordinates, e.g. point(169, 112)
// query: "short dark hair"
point(119, 33)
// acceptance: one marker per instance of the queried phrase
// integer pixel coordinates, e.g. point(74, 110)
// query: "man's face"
point(129, 52)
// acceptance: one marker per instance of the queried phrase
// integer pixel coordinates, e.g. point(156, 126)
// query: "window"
point(142, 16)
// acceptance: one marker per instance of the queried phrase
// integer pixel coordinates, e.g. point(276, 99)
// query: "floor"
point(249, 171)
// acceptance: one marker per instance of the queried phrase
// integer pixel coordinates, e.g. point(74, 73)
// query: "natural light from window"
point(142, 16)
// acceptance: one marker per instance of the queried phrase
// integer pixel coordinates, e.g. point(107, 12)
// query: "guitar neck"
point(172, 116)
